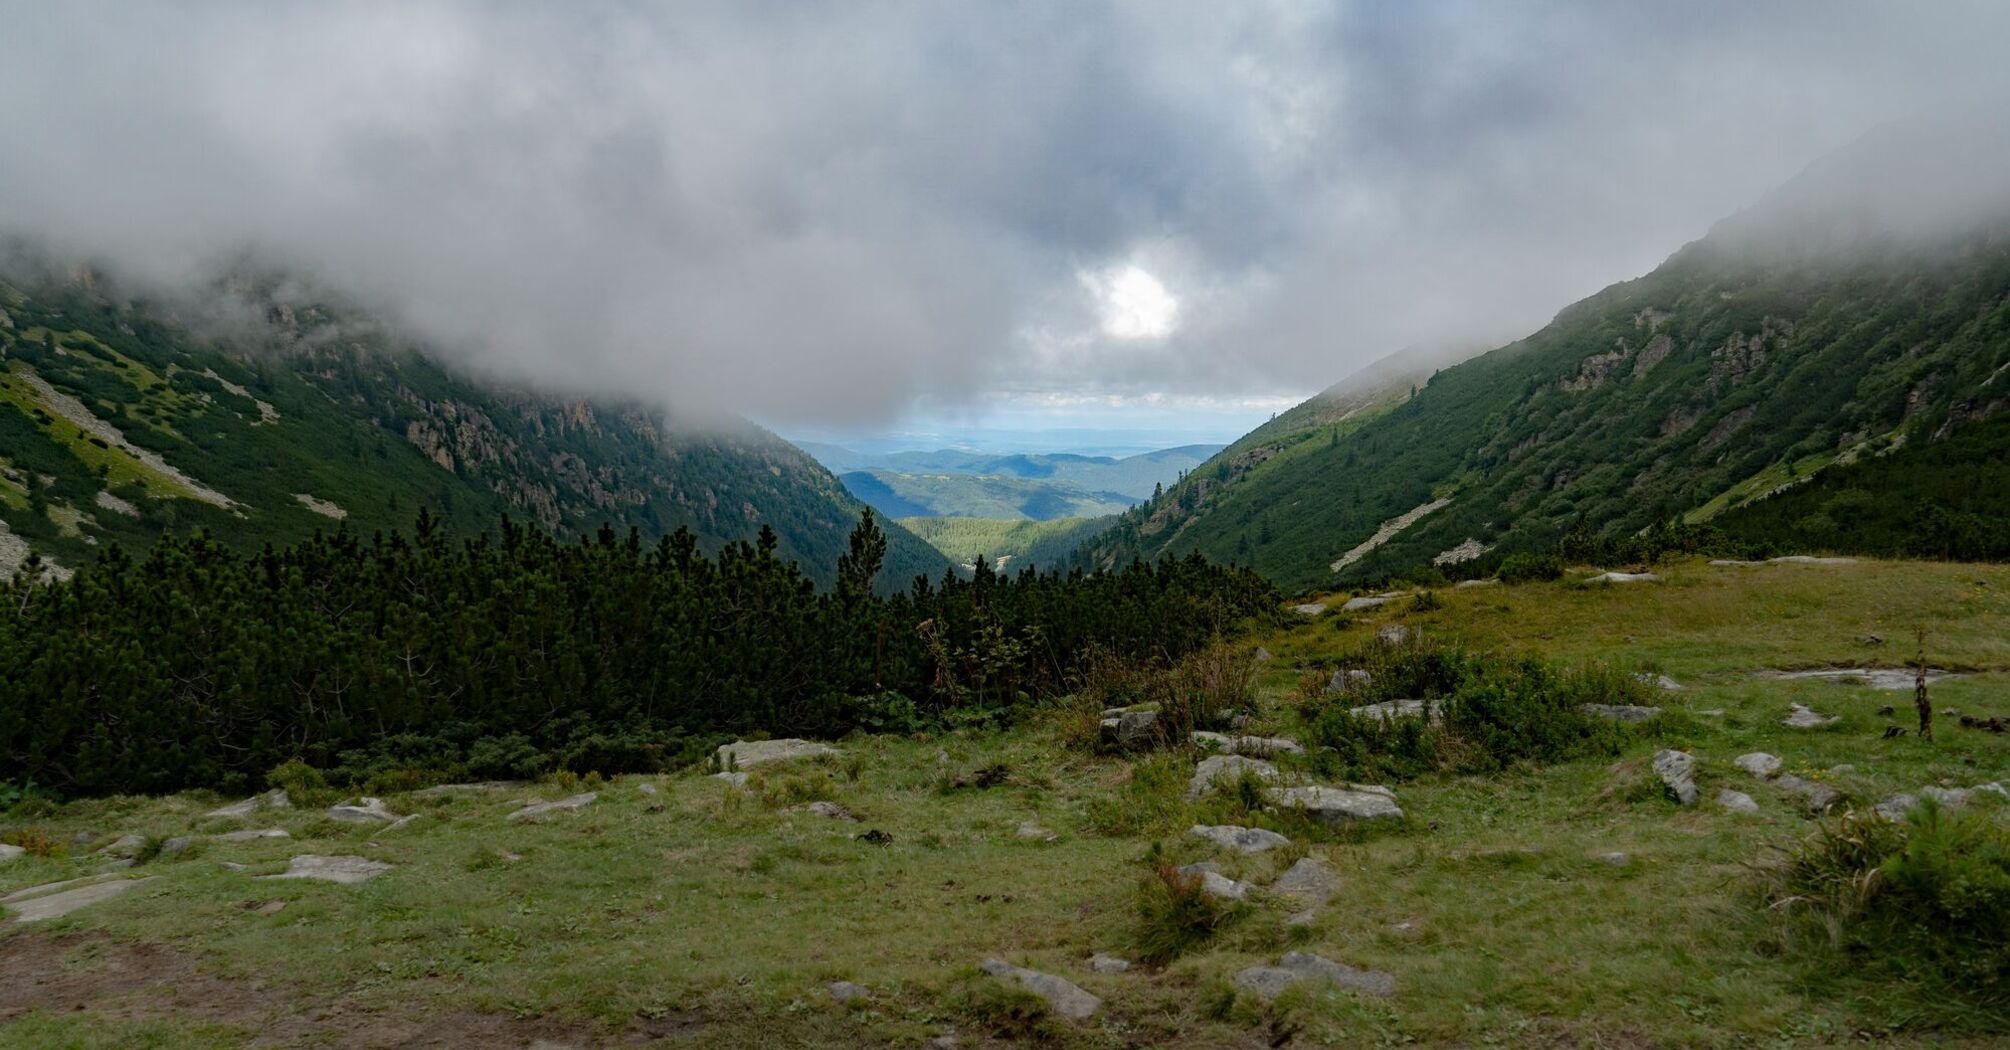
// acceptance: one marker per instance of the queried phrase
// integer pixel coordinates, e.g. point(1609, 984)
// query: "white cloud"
point(1131, 304)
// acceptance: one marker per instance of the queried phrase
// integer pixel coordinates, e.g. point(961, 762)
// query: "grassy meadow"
point(693, 914)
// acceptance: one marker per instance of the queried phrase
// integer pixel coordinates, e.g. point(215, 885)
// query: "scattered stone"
point(1819, 796)
point(1736, 801)
point(1463, 584)
point(458, 789)
point(845, 991)
point(540, 808)
point(1030, 830)
point(1759, 764)
point(1262, 655)
point(402, 822)
point(1339, 806)
point(1615, 859)
point(1215, 768)
point(1309, 608)
point(274, 799)
point(366, 811)
point(51, 887)
point(647, 788)
point(1101, 963)
point(1132, 730)
point(1348, 678)
point(1255, 746)
point(1800, 716)
point(124, 846)
point(269, 908)
point(1624, 577)
point(344, 869)
point(1367, 602)
point(1802, 559)
point(1062, 996)
point(1677, 770)
point(58, 904)
point(83, 839)
point(745, 754)
point(1215, 884)
point(1884, 679)
point(1269, 982)
point(736, 780)
point(1241, 839)
point(10, 854)
point(177, 844)
point(1393, 709)
point(1394, 634)
point(1310, 884)
point(830, 810)
point(1659, 681)
point(1621, 712)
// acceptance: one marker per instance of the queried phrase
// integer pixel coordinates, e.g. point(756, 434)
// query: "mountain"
point(1862, 307)
point(1134, 476)
point(938, 495)
point(262, 415)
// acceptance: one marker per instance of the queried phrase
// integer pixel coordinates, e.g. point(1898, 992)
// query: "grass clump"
point(1482, 712)
point(1176, 914)
point(1915, 913)
point(38, 842)
point(1152, 801)
point(1525, 567)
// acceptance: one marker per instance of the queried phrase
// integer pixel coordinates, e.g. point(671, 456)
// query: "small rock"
point(1030, 830)
point(1337, 806)
point(401, 822)
point(1349, 678)
point(845, 991)
point(1624, 577)
point(367, 811)
point(1215, 884)
point(344, 869)
point(831, 811)
point(124, 846)
point(1132, 730)
point(1819, 796)
point(1615, 859)
point(745, 754)
point(1620, 712)
point(1800, 716)
point(274, 799)
point(1389, 710)
point(252, 835)
point(1843, 769)
point(1309, 608)
point(1062, 996)
point(1464, 584)
point(1254, 746)
point(1803, 559)
point(1236, 837)
point(540, 808)
point(10, 854)
point(1309, 882)
point(1736, 801)
point(1364, 603)
point(177, 844)
point(270, 908)
point(1394, 634)
point(1677, 770)
point(1759, 764)
point(82, 839)
point(647, 788)
point(1897, 806)
point(1262, 655)
point(735, 780)
point(1101, 963)
point(57, 905)
point(1268, 982)
point(1659, 681)
point(1216, 768)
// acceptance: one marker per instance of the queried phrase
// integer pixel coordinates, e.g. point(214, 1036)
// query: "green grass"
point(708, 918)
point(1021, 542)
point(119, 466)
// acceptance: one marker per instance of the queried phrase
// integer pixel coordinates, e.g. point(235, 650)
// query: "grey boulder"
point(341, 869)
point(568, 803)
point(1062, 996)
point(1216, 768)
point(1677, 770)
point(1335, 806)
point(745, 754)
point(1268, 982)
point(1241, 839)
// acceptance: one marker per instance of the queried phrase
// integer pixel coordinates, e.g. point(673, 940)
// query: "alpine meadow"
point(1081, 525)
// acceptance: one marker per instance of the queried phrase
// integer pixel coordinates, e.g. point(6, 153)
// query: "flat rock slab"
point(1801, 716)
point(1062, 996)
point(1621, 712)
point(345, 870)
point(1677, 770)
point(1819, 796)
point(567, 803)
point(1309, 608)
point(1759, 764)
point(1254, 746)
point(1101, 963)
point(1624, 577)
point(1216, 768)
point(1737, 801)
point(1269, 982)
point(1309, 882)
point(1465, 584)
point(746, 754)
point(1886, 679)
point(274, 799)
point(57, 905)
point(363, 811)
point(464, 789)
point(1239, 838)
point(1336, 806)
point(1365, 603)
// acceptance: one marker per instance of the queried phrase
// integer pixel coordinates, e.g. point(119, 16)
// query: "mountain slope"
point(1831, 321)
point(120, 421)
point(904, 495)
point(1133, 476)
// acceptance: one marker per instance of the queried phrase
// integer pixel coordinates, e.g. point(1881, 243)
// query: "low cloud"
point(830, 213)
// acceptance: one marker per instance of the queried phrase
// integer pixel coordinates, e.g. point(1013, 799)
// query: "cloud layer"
point(829, 213)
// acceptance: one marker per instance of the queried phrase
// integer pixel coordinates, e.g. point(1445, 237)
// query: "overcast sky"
point(858, 214)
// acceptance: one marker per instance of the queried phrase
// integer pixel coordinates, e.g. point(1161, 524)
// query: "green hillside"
point(1134, 476)
point(1811, 330)
point(898, 494)
point(1009, 545)
point(119, 423)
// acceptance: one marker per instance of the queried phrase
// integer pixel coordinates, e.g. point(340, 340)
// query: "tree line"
point(515, 653)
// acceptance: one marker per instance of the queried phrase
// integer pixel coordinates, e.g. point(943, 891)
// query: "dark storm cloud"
point(826, 212)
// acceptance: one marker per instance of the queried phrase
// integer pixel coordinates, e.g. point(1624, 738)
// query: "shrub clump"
point(1482, 712)
point(1524, 567)
point(1176, 914)
point(1918, 908)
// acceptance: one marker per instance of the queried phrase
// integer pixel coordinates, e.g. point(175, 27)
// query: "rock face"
point(1238, 838)
point(1621, 712)
point(1131, 731)
point(1269, 982)
point(1624, 577)
point(345, 870)
point(364, 811)
point(1254, 746)
point(1759, 764)
point(1216, 768)
point(1062, 996)
point(1677, 770)
point(540, 808)
point(274, 799)
point(746, 754)
point(1737, 801)
point(61, 903)
point(1800, 716)
point(1340, 806)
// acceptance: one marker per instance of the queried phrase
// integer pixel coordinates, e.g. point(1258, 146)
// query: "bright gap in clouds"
point(1131, 303)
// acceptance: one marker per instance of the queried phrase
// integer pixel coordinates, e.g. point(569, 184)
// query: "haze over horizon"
point(1164, 219)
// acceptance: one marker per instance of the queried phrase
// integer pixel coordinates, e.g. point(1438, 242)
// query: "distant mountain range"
point(1038, 487)
point(124, 417)
point(1860, 313)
